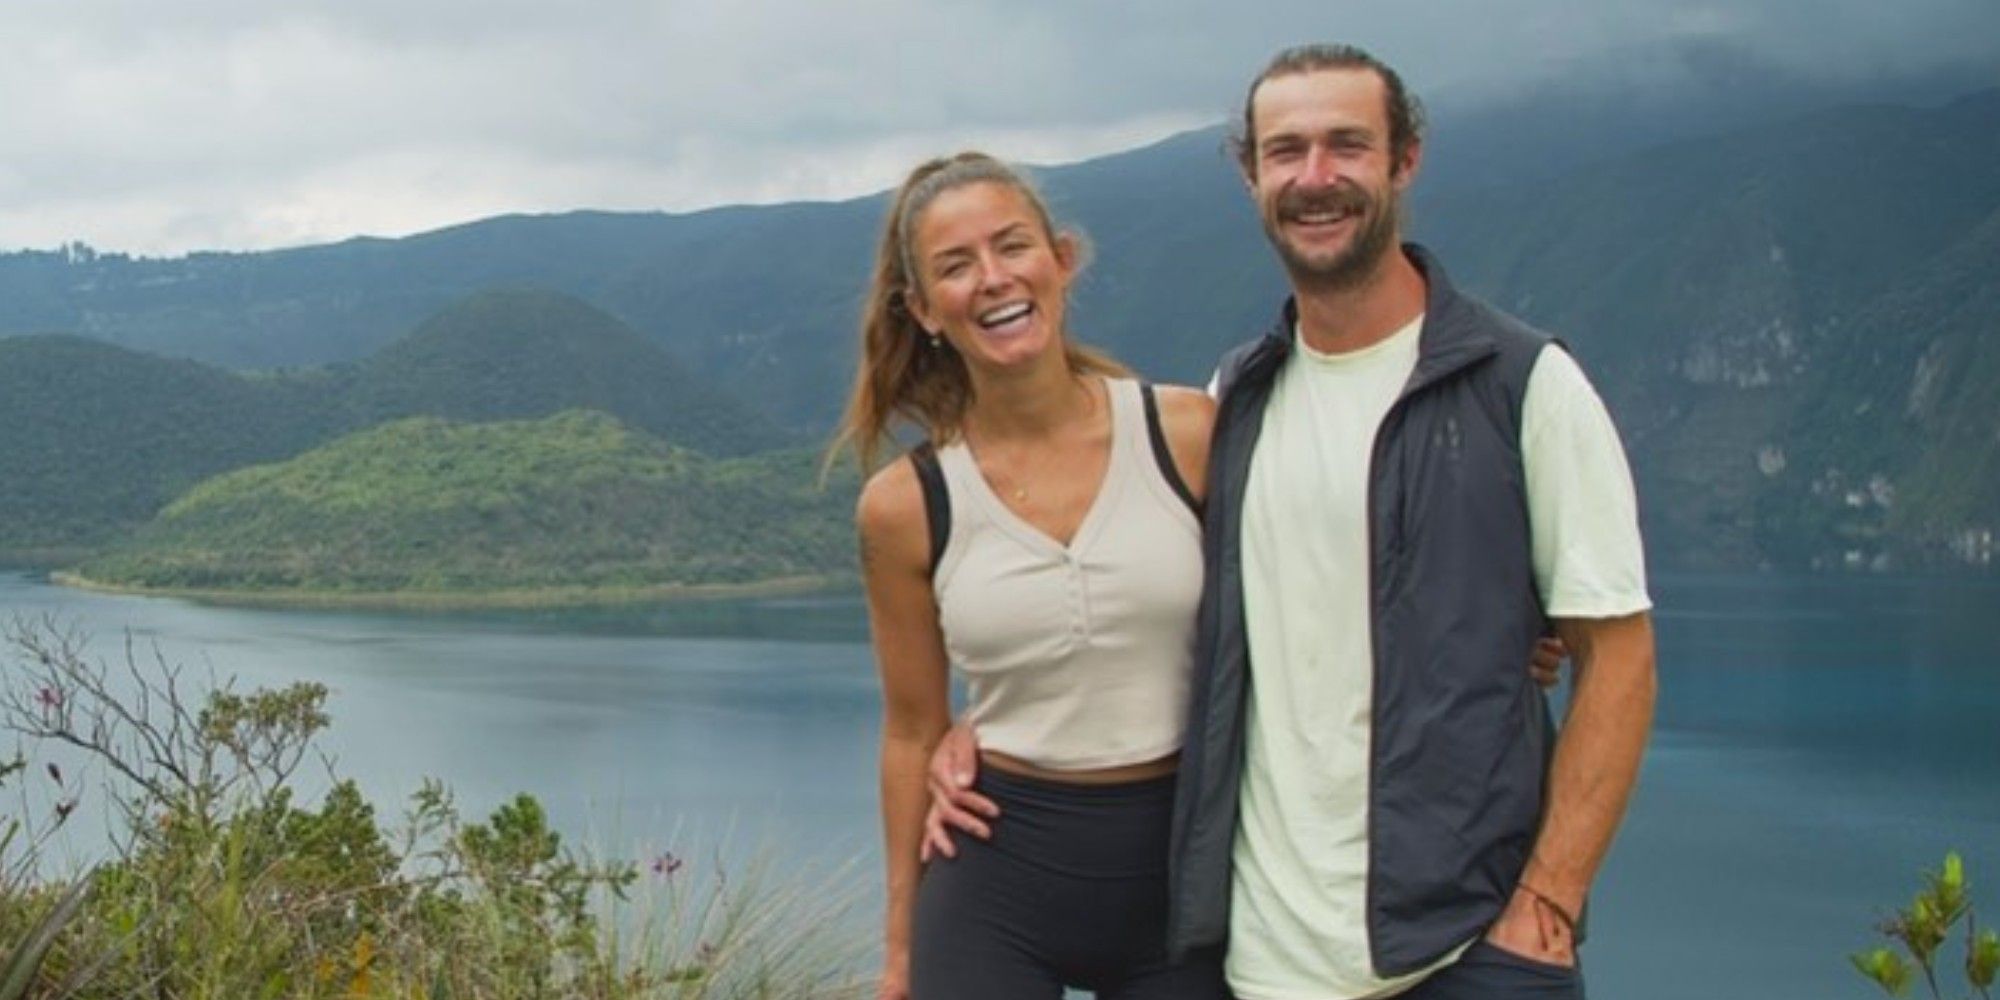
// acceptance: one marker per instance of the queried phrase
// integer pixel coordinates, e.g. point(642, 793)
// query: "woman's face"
point(989, 279)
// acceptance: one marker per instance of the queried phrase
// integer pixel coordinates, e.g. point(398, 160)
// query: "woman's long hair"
point(903, 374)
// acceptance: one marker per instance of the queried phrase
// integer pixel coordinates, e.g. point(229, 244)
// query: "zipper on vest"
point(1375, 655)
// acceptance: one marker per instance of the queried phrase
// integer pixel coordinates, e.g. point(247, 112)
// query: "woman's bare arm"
point(916, 711)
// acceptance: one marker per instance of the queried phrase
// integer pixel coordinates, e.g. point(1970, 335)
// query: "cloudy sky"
point(159, 128)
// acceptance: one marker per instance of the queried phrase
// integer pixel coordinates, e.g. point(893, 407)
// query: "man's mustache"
point(1340, 198)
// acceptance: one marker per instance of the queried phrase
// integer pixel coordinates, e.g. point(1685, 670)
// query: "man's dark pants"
point(1488, 973)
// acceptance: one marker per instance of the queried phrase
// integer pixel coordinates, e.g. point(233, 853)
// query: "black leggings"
point(1071, 891)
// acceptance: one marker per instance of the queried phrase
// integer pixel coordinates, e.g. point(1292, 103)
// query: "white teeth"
point(1318, 218)
point(1004, 314)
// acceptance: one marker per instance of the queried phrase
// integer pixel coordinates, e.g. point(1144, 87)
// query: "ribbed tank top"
point(1075, 657)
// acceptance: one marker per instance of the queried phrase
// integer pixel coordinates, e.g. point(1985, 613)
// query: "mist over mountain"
point(1635, 97)
point(747, 293)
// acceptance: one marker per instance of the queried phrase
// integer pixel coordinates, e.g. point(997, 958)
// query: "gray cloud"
point(166, 127)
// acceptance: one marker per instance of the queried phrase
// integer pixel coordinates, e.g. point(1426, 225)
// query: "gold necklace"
point(1015, 487)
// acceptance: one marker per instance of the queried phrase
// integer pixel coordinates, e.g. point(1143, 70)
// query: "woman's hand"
point(1545, 663)
point(894, 983)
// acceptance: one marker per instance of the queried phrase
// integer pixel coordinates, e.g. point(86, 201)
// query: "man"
point(1406, 488)
point(1367, 802)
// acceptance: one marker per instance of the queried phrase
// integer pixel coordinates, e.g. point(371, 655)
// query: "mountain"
point(717, 289)
point(1897, 438)
point(1716, 290)
point(516, 354)
point(99, 438)
point(1757, 303)
point(573, 502)
point(762, 300)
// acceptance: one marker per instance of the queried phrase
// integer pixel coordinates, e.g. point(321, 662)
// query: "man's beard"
point(1375, 235)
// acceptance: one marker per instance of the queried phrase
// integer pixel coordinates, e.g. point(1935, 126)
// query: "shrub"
point(223, 884)
point(1923, 928)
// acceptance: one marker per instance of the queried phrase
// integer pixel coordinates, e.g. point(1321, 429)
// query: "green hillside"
point(505, 355)
point(1894, 450)
point(97, 438)
point(1718, 291)
point(571, 503)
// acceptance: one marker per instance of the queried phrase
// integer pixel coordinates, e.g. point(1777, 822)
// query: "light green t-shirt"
point(1298, 927)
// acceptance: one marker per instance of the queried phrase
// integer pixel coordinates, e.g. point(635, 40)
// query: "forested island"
point(572, 508)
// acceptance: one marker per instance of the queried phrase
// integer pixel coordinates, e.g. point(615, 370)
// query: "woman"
point(1064, 584)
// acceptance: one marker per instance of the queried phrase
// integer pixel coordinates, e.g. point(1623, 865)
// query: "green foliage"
point(515, 355)
point(1982, 960)
point(577, 500)
point(225, 884)
point(30, 918)
point(1758, 318)
point(20, 966)
point(101, 438)
point(1923, 928)
point(1893, 452)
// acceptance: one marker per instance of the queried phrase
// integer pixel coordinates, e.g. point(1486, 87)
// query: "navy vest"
point(1461, 734)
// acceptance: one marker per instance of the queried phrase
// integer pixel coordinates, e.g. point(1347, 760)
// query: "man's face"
point(1326, 186)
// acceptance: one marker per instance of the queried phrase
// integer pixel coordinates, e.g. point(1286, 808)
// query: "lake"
point(1820, 740)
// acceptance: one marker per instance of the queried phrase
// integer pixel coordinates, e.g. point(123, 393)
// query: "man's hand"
point(954, 805)
point(1532, 928)
point(1545, 663)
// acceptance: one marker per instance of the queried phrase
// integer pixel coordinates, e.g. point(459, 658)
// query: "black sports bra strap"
point(937, 502)
point(1161, 454)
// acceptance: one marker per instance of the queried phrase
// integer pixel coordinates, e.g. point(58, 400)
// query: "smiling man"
point(1406, 488)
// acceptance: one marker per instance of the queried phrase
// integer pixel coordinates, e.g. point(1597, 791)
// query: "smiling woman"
point(1044, 539)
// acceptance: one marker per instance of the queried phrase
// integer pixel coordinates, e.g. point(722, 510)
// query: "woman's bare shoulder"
point(1187, 416)
point(889, 515)
point(1186, 403)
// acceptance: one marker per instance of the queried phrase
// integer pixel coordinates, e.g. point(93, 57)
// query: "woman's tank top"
point(1076, 657)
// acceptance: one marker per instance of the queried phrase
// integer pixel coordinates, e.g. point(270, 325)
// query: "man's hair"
point(1406, 113)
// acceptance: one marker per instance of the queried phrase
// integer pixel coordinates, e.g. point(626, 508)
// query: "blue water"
point(1819, 741)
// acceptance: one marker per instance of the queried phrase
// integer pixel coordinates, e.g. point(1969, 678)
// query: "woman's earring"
point(936, 341)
